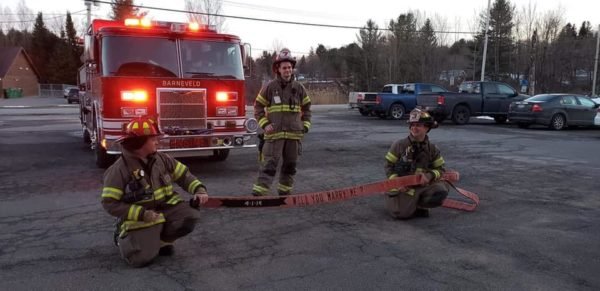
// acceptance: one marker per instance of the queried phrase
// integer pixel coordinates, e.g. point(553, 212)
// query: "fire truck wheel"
point(220, 155)
point(86, 137)
point(103, 159)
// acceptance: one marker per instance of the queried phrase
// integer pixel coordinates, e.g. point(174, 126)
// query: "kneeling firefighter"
point(416, 155)
point(138, 190)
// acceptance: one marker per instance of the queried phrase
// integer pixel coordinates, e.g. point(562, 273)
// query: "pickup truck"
point(359, 99)
point(473, 99)
point(397, 99)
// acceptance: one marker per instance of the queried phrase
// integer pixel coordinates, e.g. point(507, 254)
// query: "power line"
point(45, 18)
point(272, 20)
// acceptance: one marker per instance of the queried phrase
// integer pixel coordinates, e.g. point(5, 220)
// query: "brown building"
point(17, 71)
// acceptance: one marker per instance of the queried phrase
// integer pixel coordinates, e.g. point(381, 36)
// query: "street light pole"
point(487, 26)
point(596, 62)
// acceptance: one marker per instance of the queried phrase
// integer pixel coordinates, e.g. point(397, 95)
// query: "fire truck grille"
point(182, 110)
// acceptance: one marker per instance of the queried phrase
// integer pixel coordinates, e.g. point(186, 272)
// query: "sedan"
point(67, 89)
point(73, 96)
point(556, 111)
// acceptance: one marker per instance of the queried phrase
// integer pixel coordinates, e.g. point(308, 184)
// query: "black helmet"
point(285, 55)
point(420, 116)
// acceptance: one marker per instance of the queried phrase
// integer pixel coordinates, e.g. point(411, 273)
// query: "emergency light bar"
point(172, 26)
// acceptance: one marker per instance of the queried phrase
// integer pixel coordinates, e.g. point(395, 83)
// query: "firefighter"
point(138, 190)
point(415, 155)
point(282, 109)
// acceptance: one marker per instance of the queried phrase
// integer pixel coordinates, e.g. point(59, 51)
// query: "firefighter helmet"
point(285, 55)
point(420, 116)
point(140, 126)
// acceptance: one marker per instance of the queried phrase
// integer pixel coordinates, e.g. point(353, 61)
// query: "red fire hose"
point(306, 199)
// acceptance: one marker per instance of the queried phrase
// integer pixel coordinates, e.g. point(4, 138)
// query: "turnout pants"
point(274, 151)
point(404, 204)
point(139, 247)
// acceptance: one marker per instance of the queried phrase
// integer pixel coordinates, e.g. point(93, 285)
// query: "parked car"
point(73, 96)
point(67, 89)
point(395, 100)
point(556, 111)
point(473, 99)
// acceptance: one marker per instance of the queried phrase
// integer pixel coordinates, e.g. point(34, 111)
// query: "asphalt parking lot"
point(536, 226)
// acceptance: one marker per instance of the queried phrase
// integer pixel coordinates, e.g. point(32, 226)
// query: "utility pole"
point(596, 62)
point(487, 26)
point(88, 8)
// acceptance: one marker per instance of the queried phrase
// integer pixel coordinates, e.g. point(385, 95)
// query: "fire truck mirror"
point(247, 59)
point(89, 47)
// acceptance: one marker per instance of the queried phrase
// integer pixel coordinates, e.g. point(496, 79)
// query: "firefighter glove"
point(305, 129)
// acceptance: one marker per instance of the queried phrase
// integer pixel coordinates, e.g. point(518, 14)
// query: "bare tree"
point(550, 24)
point(8, 19)
point(277, 45)
point(205, 11)
point(25, 16)
point(440, 23)
point(56, 24)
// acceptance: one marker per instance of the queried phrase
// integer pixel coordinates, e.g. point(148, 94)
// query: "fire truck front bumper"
point(195, 145)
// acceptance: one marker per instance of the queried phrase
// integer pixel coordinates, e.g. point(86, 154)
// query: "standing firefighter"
point(282, 109)
point(416, 155)
point(138, 190)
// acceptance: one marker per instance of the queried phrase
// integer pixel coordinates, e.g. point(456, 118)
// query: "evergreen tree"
point(401, 48)
point(585, 30)
point(41, 46)
point(369, 38)
point(3, 39)
point(122, 9)
point(500, 41)
point(72, 42)
point(427, 44)
point(60, 67)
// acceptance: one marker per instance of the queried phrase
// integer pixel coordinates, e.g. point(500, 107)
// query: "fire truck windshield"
point(157, 57)
point(139, 56)
point(211, 59)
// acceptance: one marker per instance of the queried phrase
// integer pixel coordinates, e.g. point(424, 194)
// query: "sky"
point(458, 15)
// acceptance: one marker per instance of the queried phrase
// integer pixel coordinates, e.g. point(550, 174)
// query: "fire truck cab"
point(187, 76)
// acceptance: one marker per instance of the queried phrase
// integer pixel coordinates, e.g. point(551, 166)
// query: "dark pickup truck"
point(473, 99)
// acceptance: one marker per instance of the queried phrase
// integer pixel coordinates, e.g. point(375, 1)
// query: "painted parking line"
point(38, 106)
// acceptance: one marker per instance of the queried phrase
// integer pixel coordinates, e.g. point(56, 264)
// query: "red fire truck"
point(187, 75)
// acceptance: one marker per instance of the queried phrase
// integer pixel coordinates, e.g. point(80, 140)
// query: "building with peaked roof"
point(17, 71)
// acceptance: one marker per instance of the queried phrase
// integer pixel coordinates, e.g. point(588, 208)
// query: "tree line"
point(523, 44)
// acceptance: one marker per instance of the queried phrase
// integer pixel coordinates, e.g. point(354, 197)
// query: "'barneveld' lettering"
point(181, 83)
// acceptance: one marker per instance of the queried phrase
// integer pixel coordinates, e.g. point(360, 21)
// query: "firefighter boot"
point(166, 249)
point(421, 212)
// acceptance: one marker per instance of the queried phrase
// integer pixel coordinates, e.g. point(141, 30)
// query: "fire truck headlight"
point(251, 125)
point(135, 96)
point(222, 96)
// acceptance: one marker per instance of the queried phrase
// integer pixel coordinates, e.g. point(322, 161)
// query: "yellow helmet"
point(140, 126)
